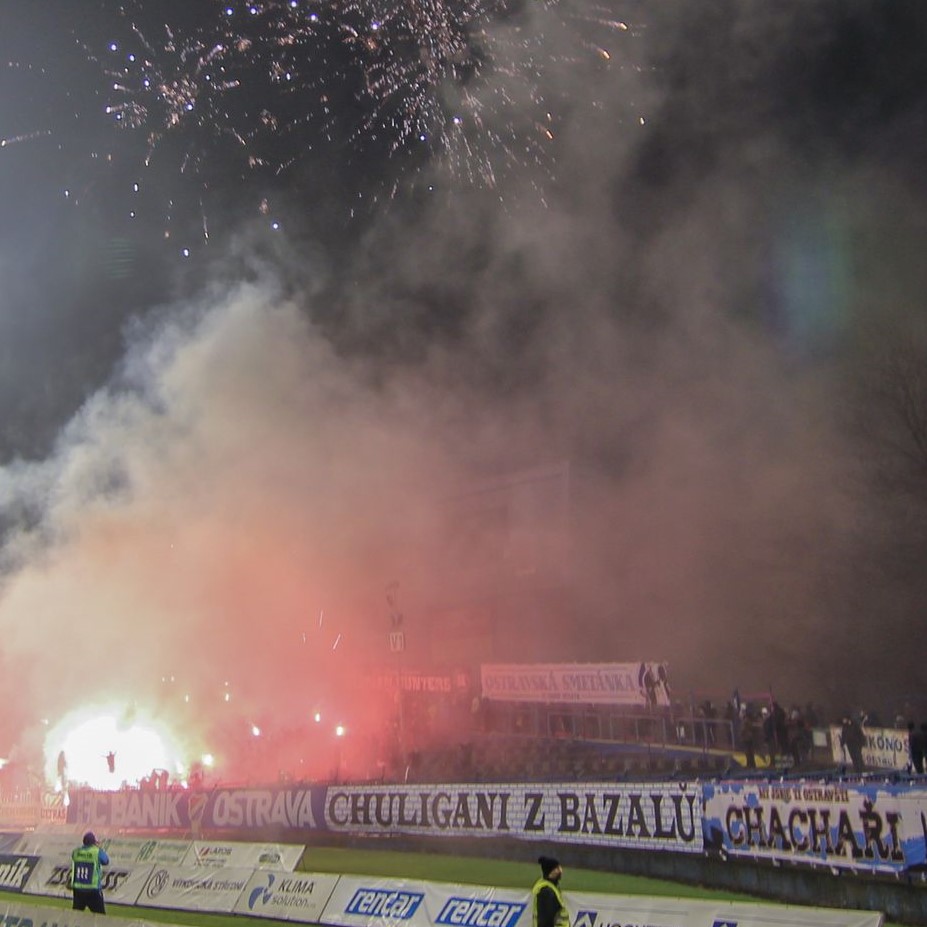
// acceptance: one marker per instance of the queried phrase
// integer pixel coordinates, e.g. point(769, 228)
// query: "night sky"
point(278, 280)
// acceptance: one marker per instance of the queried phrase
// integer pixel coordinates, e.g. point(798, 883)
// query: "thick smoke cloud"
point(232, 482)
point(682, 316)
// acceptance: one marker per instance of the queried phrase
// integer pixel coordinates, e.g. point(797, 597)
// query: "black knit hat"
point(548, 865)
point(89, 839)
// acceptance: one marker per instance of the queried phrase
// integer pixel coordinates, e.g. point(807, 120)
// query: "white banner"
point(9, 842)
point(217, 854)
point(121, 884)
point(597, 910)
point(284, 895)
point(865, 826)
point(49, 846)
point(194, 889)
point(372, 902)
point(884, 747)
point(649, 816)
point(50, 878)
point(629, 684)
point(358, 901)
point(476, 906)
point(125, 851)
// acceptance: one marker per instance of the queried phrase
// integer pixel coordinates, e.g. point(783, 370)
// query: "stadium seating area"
point(511, 758)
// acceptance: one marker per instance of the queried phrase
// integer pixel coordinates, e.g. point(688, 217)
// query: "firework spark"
point(460, 79)
point(387, 94)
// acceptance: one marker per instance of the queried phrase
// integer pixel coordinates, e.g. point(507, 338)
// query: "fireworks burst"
point(432, 76)
point(462, 78)
point(364, 96)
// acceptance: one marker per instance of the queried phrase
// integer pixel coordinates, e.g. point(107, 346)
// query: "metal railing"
point(596, 725)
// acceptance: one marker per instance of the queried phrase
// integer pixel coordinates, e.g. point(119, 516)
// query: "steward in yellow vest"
point(549, 908)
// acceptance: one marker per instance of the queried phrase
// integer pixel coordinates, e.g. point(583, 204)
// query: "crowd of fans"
point(434, 737)
point(746, 734)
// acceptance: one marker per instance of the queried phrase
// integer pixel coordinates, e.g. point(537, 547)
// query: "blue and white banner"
point(122, 851)
point(167, 810)
point(590, 909)
point(359, 901)
point(198, 889)
point(647, 816)
point(15, 871)
point(876, 827)
point(371, 902)
point(125, 851)
point(219, 853)
point(9, 842)
point(49, 846)
point(187, 810)
point(121, 884)
point(288, 896)
point(473, 906)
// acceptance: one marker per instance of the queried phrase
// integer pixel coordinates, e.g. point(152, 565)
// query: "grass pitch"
point(431, 867)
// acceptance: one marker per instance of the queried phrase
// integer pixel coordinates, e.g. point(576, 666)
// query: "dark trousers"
point(89, 898)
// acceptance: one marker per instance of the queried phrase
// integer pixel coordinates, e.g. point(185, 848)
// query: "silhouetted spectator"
point(798, 736)
point(852, 740)
point(769, 734)
point(737, 703)
point(916, 744)
point(733, 719)
point(679, 723)
point(477, 715)
point(663, 681)
point(648, 683)
point(780, 725)
point(811, 716)
point(710, 714)
point(748, 735)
